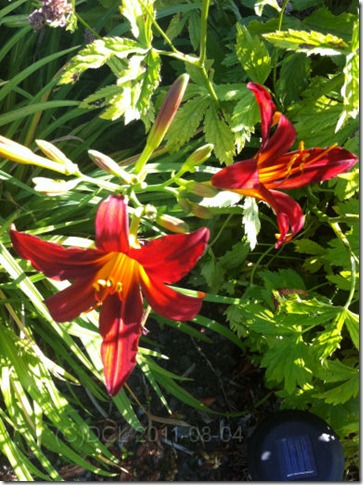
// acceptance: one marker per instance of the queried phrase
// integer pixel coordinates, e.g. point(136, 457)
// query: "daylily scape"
point(273, 168)
point(115, 275)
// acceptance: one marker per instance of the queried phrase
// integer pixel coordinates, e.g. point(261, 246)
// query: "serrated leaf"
point(251, 221)
point(149, 82)
point(336, 371)
point(97, 54)
point(140, 14)
point(342, 393)
point(293, 78)
point(283, 278)
point(176, 25)
point(194, 29)
point(235, 257)
point(235, 318)
point(350, 88)
point(220, 135)
point(259, 6)
point(101, 97)
point(352, 324)
point(342, 281)
point(287, 362)
point(186, 122)
point(135, 88)
point(244, 118)
point(308, 42)
point(323, 20)
point(253, 55)
point(213, 274)
point(347, 184)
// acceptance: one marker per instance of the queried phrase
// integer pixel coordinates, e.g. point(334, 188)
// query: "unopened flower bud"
point(162, 122)
point(201, 212)
point(57, 155)
point(185, 204)
point(18, 153)
point(150, 211)
point(203, 189)
point(52, 187)
point(106, 163)
point(172, 223)
point(167, 111)
point(199, 156)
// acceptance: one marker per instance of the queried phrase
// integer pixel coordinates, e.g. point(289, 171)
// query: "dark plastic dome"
point(295, 446)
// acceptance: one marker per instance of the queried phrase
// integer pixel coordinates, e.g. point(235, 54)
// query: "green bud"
point(185, 204)
point(203, 189)
point(150, 211)
point(19, 153)
point(167, 111)
point(52, 187)
point(201, 212)
point(172, 223)
point(56, 155)
point(199, 156)
point(109, 165)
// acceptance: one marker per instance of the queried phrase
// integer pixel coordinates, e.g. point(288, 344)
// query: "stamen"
point(116, 276)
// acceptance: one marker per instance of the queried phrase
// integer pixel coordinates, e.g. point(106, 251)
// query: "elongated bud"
point(172, 223)
point(199, 156)
point(203, 189)
point(185, 204)
point(19, 153)
point(52, 187)
point(56, 155)
point(201, 212)
point(106, 163)
point(162, 122)
point(167, 111)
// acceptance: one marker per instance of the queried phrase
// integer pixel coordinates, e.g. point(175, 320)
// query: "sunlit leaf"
point(253, 55)
point(308, 42)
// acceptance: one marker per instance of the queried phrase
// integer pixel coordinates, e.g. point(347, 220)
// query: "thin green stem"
point(88, 27)
point(258, 263)
point(203, 33)
point(221, 230)
point(336, 228)
point(103, 184)
point(162, 33)
point(276, 53)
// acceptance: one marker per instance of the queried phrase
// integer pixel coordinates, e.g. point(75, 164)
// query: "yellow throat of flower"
point(117, 275)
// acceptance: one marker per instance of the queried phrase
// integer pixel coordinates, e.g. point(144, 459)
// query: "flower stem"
point(203, 33)
point(336, 228)
point(276, 53)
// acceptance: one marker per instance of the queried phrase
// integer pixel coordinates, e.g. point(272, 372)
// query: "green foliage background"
point(295, 310)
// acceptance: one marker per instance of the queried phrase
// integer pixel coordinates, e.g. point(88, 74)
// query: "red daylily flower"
point(273, 168)
point(115, 274)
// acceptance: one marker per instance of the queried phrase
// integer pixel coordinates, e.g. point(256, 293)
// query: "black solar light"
point(295, 446)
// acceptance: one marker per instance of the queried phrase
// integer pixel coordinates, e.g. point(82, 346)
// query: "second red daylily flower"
point(115, 274)
point(273, 168)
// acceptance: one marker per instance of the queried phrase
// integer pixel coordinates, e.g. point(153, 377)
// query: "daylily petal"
point(112, 225)
point(238, 175)
point(120, 329)
point(288, 212)
point(169, 303)
point(311, 166)
point(54, 260)
point(267, 109)
point(171, 257)
point(72, 301)
point(279, 143)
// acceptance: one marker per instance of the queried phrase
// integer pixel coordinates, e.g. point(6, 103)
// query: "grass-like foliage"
point(148, 100)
